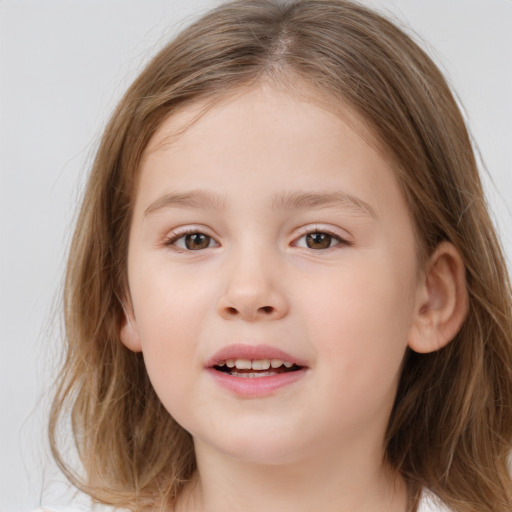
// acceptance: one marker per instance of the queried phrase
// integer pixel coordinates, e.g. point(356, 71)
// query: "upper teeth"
point(257, 364)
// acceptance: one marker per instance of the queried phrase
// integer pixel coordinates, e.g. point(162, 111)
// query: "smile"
point(254, 371)
point(256, 368)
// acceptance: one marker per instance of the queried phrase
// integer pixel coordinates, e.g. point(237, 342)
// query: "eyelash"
point(171, 240)
point(341, 241)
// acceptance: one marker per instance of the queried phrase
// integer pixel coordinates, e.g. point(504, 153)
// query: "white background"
point(64, 64)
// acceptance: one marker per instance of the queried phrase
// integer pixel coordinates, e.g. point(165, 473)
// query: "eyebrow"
point(206, 199)
point(193, 199)
point(298, 200)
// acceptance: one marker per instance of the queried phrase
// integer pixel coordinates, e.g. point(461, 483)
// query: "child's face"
point(271, 225)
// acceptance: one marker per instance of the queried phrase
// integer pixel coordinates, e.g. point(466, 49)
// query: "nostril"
point(249, 313)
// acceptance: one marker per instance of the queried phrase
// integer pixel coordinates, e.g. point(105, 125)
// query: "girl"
point(284, 291)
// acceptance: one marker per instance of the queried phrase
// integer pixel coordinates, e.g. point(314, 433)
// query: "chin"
point(261, 448)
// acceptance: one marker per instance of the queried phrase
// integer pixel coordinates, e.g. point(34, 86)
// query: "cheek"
point(362, 327)
point(168, 304)
point(170, 313)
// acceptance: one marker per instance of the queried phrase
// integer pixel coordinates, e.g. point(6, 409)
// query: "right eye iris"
point(318, 240)
point(197, 241)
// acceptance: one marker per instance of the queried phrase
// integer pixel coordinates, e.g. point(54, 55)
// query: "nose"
point(253, 292)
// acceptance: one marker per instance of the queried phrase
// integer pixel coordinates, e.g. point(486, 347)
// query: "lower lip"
point(255, 386)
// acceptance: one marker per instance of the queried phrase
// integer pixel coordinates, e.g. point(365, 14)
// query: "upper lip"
point(252, 352)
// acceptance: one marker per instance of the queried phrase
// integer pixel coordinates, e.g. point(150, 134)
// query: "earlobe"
point(442, 301)
point(129, 333)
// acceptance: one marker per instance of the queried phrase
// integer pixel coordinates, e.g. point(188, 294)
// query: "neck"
point(357, 482)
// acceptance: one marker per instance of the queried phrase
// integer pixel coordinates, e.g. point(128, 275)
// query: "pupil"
point(318, 240)
point(197, 241)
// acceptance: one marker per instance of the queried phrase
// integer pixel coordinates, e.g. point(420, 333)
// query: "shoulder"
point(431, 503)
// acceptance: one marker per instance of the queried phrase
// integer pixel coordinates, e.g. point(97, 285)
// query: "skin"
point(348, 310)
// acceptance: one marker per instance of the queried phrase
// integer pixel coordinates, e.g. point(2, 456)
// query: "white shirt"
point(431, 503)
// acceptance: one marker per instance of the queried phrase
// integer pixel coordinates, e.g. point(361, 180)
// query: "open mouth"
point(254, 368)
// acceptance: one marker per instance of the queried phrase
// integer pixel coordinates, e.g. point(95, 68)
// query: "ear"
point(442, 301)
point(128, 332)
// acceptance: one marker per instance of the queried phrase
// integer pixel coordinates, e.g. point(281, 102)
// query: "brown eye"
point(318, 240)
point(197, 241)
point(191, 241)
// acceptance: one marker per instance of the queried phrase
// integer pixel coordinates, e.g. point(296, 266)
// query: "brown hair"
point(451, 426)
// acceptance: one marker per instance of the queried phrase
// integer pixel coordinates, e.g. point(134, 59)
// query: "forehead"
point(293, 96)
point(264, 140)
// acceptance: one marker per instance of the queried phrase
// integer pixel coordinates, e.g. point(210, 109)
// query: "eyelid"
point(341, 235)
point(175, 234)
